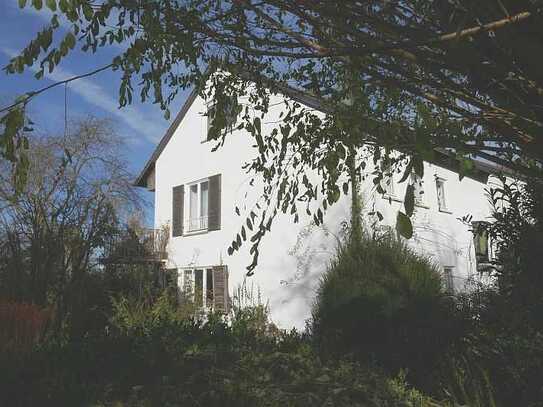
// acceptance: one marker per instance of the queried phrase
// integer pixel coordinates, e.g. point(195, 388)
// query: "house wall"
point(294, 256)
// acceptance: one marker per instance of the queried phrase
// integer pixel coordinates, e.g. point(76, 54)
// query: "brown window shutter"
point(214, 204)
point(178, 200)
point(220, 289)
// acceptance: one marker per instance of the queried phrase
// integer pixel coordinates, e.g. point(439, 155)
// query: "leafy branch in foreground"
point(397, 80)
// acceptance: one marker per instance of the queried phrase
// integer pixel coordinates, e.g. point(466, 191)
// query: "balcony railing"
point(136, 246)
point(197, 224)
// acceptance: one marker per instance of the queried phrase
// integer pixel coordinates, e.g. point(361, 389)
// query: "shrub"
point(381, 302)
point(21, 325)
point(498, 361)
point(191, 363)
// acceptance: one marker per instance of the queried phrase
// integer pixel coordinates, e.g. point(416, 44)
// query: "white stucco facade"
point(294, 256)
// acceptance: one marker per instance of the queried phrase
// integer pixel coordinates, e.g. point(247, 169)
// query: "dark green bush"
point(499, 360)
point(381, 302)
point(189, 362)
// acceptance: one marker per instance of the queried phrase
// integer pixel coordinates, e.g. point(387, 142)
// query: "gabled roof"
point(150, 164)
point(443, 158)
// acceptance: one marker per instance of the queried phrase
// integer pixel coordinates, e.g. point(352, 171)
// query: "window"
point(198, 206)
point(207, 287)
point(225, 119)
point(387, 182)
point(448, 279)
point(481, 244)
point(440, 188)
point(199, 209)
point(418, 190)
point(199, 288)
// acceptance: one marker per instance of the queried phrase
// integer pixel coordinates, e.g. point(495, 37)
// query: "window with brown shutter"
point(214, 203)
point(220, 289)
point(207, 287)
point(178, 198)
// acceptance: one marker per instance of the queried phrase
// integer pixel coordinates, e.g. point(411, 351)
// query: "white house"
point(196, 191)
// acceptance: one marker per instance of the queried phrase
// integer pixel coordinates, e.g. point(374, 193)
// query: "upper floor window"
point(199, 209)
point(387, 182)
point(440, 189)
point(418, 190)
point(482, 246)
point(198, 206)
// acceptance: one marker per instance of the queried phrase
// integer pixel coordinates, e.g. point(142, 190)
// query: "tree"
point(516, 233)
point(412, 76)
point(381, 302)
point(52, 230)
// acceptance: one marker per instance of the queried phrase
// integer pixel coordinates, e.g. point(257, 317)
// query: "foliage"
point(23, 325)
point(420, 77)
point(382, 303)
point(517, 231)
point(249, 314)
point(498, 361)
point(194, 362)
point(52, 231)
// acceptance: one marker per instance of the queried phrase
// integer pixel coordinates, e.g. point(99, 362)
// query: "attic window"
point(226, 119)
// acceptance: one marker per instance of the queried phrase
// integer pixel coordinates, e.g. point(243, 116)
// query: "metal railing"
point(136, 246)
point(196, 224)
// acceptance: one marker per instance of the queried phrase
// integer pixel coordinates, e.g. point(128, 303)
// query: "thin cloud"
point(96, 95)
point(45, 15)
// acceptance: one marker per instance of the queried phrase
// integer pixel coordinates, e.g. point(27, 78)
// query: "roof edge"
point(150, 164)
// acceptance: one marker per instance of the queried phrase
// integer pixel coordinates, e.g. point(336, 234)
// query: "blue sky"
point(142, 125)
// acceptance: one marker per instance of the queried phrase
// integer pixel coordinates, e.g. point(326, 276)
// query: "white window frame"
point(202, 219)
point(189, 281)
point(441, 203)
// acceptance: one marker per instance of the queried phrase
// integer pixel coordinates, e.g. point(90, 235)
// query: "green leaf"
point(409, 200)
point(22, 3)
point(37, 4)
point(418, 166)
point(51, 4)
point(70, 40)
point(466, 166)
point(407, 171)
point(403, 225)
point(87, 11)
point(257, 125)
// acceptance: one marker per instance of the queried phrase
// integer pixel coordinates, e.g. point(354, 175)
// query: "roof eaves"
point(141, 179)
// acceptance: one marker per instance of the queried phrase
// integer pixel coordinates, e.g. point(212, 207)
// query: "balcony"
point(197, 224)
point(136, 246)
